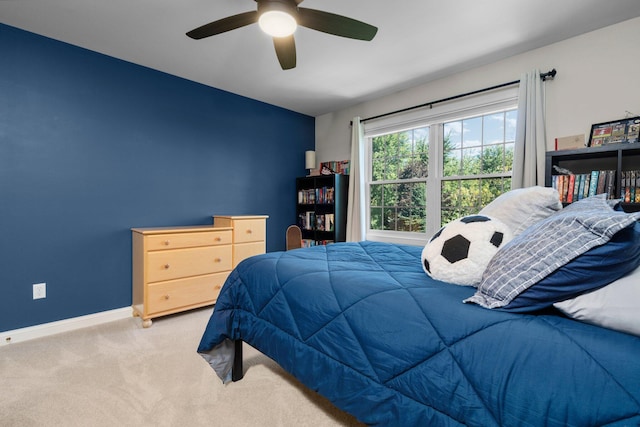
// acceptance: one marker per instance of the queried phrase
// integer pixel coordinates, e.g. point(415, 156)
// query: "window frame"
point(435, 118)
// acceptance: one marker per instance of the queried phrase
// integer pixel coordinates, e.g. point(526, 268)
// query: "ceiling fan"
point(279, 18)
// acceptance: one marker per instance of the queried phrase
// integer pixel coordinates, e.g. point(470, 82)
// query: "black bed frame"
point(237, 371)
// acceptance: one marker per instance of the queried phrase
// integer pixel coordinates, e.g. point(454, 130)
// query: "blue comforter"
point(363, 325)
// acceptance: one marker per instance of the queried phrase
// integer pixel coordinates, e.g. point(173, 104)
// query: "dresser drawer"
point(188, 240)
point(172, 264)
point(249, 230)
point(193, 291)
point(246, 250)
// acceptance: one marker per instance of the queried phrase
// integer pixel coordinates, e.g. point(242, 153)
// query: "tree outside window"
point(477, 161)
point(398, 189)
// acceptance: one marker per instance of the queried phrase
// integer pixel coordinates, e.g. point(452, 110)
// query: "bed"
point(363, 325)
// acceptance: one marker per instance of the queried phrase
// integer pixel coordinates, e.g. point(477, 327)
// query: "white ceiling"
point(417, 41)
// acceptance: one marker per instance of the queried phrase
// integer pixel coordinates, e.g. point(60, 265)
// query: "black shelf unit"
point(318, 198)
point(618, 157)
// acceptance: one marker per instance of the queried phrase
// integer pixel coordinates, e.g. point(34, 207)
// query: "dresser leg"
point(146, 323)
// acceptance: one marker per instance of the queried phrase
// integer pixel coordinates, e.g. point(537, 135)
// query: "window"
point(398, 189)
point(477, 162)
point(426, 173)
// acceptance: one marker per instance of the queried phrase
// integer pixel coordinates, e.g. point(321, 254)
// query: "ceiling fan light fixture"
point(277, 23)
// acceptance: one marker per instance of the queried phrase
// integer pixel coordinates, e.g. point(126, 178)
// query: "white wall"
point(598, 79)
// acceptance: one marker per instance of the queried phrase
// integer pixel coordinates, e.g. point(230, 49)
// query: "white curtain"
point(355, 207)
point(531, 138)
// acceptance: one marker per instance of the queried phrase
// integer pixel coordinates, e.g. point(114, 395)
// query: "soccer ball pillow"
point(462, 249)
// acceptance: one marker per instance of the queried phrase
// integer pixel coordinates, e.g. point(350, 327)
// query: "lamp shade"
point(310, 159)
point(277, 17)
point(277, 23)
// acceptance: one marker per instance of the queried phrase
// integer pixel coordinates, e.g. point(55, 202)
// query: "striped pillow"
point(547, 246)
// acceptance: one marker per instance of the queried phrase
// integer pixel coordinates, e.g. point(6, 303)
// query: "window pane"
point(493, 131)
point(377, 169)
point(389, 219)
point(452, 162)
point(404, 168)
point(418, 219)
point(472, 132)
point(508, 157)
point(493, 159)
point(450, 190)
point(453, 133)
point(421, 136)
point(511, 120)
point(375, 219)
point(376, 195)
point(492, 188)
point(389, 195)
point(378, 148)
point(404, 219)
point(419, 194)
point(420, 164)
point(414, 168)
point(470, 195)
point(405, 144)
point(460, 197)
point(471, 161)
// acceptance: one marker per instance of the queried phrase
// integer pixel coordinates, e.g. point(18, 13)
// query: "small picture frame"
point(625, 131)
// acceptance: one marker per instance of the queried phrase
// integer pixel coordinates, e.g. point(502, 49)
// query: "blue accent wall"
point(91, 146)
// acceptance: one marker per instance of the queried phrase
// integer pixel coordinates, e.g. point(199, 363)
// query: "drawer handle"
point(217, 260)
point(166, 297)
point(218, 239)
point(166, 242)
point(249, 231)
point(166, 266)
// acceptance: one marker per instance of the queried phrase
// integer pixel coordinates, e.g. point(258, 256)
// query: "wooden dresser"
point(178, 268)
point(249, 234)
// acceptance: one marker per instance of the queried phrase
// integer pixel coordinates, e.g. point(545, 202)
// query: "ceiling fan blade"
point(337, 25)
point(224, 25)
point(286, 51)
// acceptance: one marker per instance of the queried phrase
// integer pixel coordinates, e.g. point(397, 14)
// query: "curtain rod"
point(544, 76)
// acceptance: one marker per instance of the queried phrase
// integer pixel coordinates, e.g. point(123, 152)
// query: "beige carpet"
point(119, 374)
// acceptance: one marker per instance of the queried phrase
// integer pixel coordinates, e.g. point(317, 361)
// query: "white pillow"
point(523, 207)
point(615, 306)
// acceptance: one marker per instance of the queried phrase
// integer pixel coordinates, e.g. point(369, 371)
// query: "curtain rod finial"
point(549, 75)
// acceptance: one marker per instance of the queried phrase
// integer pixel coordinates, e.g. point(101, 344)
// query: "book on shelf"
point(335, 167)
point(330, 222)
point(630, 186)
point(306, 197)
point(307, 243)
point(320, 222)
point(570, 187)
point(574, 187)
point(324, 195)
point(307, 220)
point(593, 186)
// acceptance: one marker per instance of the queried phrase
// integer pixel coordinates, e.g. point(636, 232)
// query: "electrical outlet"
point(39, 290)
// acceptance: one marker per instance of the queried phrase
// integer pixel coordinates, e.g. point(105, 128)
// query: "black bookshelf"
point(621, 158)
point(321, 208)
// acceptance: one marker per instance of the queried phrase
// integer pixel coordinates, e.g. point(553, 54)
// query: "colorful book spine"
point(593, 186)
point(571, 186)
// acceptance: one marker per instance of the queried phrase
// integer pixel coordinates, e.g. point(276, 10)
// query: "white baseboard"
point(66, 325)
